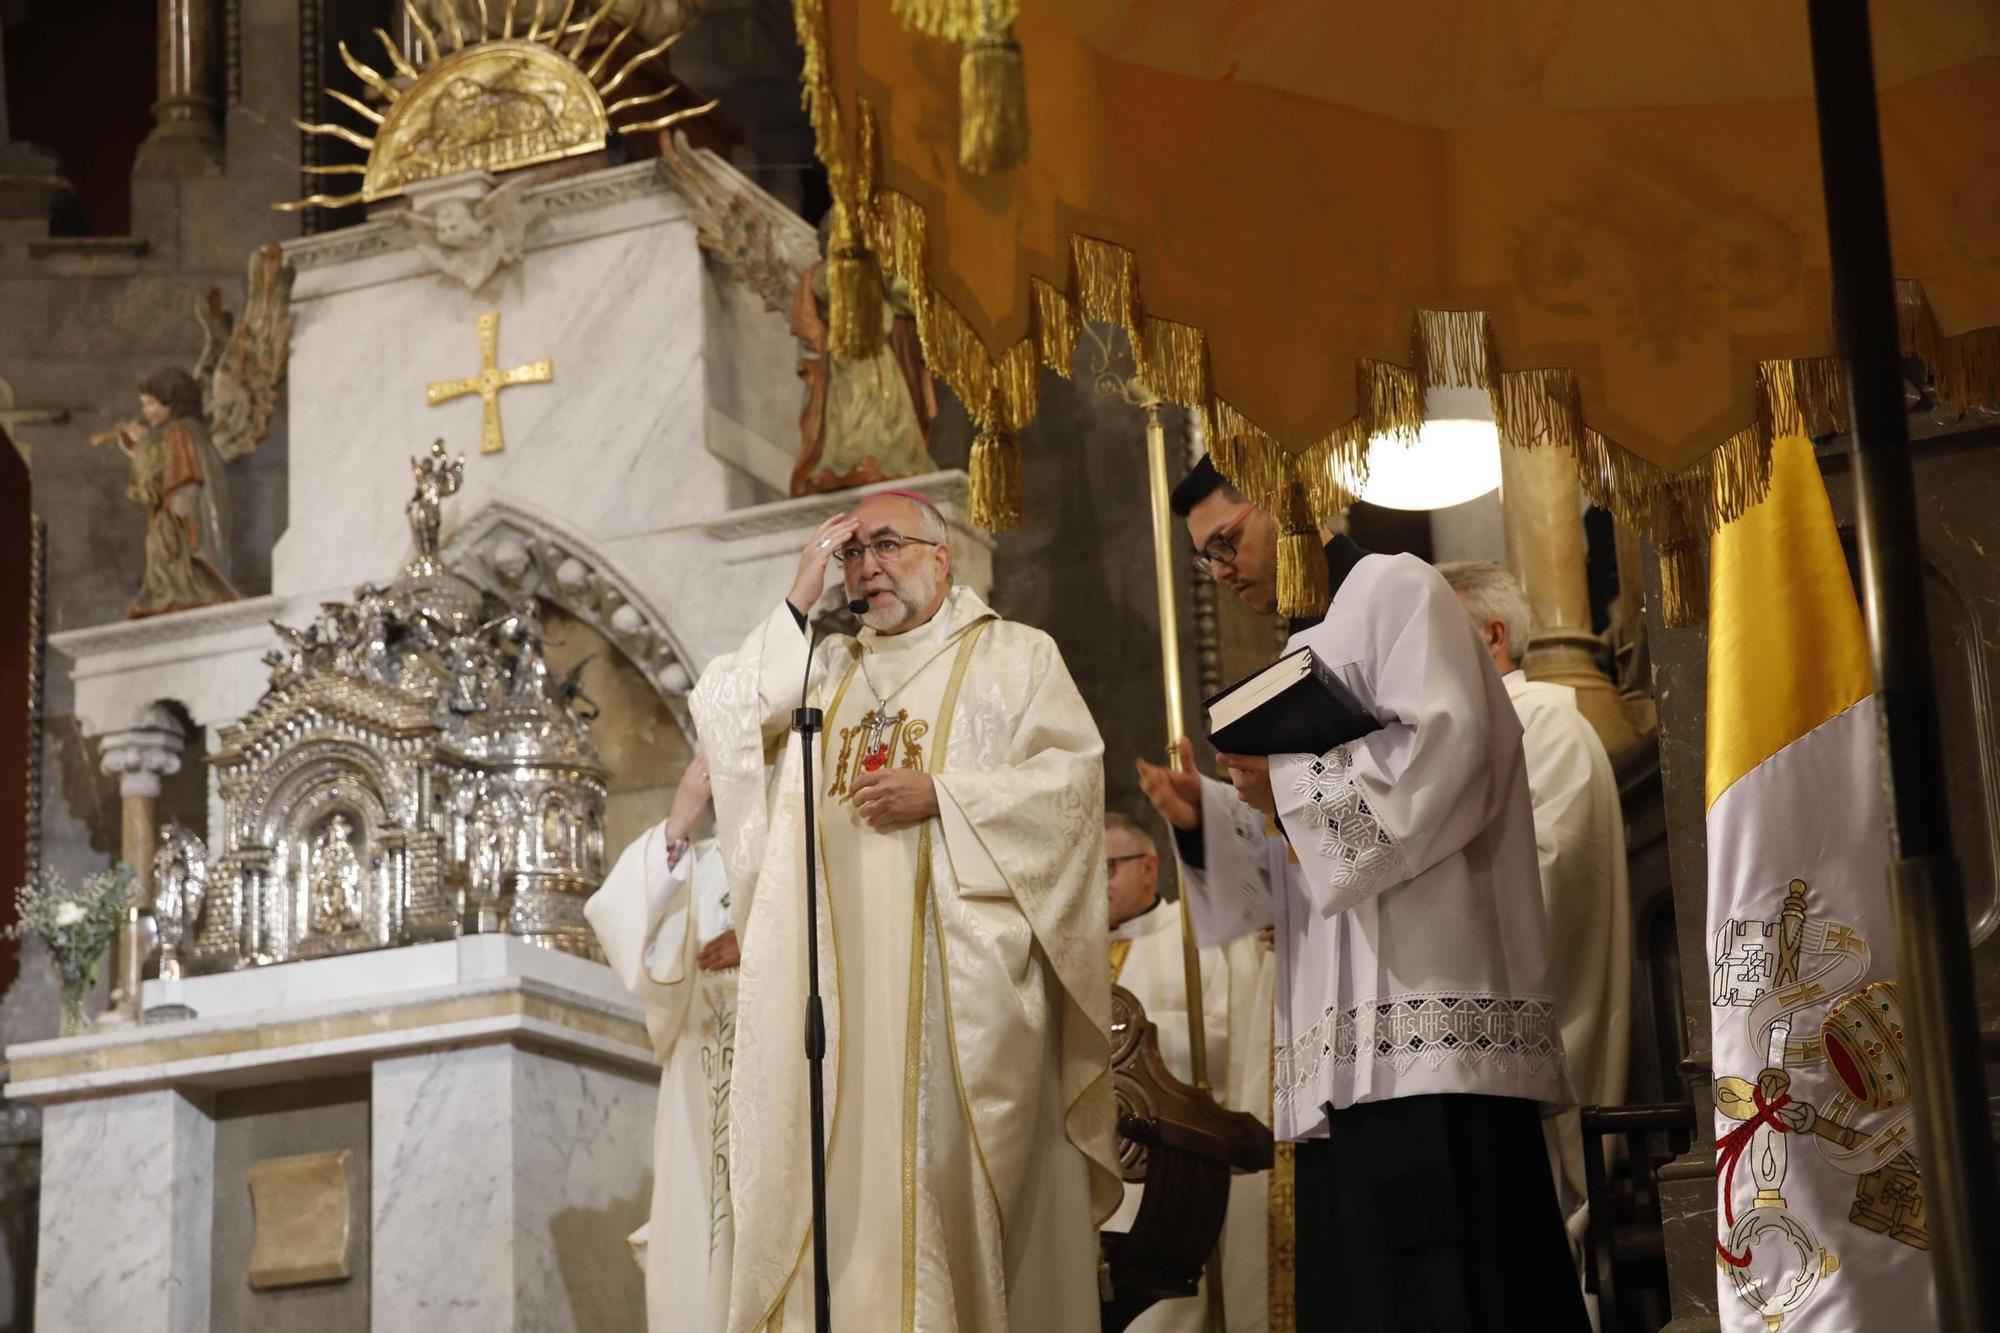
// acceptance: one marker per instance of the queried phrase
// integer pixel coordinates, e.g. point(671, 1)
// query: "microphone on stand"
point(806, 721)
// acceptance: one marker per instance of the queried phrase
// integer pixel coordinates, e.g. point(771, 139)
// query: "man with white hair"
point(1580, 842)
point(962, 923)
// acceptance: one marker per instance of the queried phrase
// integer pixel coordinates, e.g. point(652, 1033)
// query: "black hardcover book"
point(1294, 706)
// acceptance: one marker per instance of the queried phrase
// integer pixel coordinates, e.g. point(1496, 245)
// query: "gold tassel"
point(1683, 584)
point(996, 482)
point(853, 291)
point(992, 104)
point(1302, 586)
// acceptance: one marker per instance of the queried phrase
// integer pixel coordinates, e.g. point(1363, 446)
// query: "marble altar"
point(511, 1094)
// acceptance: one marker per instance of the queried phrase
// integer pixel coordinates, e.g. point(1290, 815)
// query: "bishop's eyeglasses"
point(888, 548)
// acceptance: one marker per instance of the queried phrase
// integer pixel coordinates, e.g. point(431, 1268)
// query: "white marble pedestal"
point(511, 1104)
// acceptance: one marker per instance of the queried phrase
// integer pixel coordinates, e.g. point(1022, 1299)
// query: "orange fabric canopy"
point(1628, 192)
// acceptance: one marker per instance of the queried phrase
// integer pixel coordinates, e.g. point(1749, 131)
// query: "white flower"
point(69, 914)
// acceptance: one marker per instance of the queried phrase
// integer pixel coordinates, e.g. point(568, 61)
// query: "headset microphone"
point(858, 607)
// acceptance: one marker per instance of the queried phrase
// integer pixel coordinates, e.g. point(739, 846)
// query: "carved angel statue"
point(180, 887)
point(190, 425)
point(471, 239)
point(437, 477)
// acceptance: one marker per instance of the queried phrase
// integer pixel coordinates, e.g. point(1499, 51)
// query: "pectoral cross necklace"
point(882, 727)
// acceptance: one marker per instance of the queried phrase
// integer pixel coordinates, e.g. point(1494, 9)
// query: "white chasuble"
point(1411, 951)
point(966, 988)
point(652, 919)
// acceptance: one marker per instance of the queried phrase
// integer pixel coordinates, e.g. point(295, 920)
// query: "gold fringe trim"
point(1255, 464)
point(1683, 585)
point(996, 482)
point(1535, 408)
point(992, 104)
point(1327, 468)
point(1302, 575)
point(853, 277)
point(1541, 408)
point(1176, 361)
point(1455, 349)
point(1055, 326)
point(1391, 398)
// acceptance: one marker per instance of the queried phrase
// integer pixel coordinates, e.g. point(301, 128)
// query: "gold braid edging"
point(1535, 407)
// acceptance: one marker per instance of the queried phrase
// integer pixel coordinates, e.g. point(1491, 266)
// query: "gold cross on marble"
point(490, 381)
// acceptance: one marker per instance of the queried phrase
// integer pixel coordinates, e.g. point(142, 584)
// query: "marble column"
point(186, 137)
point(139, 757)
point(145, 1159)
point(1545, 548)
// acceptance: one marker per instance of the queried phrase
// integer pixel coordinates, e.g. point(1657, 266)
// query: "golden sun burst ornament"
point(493, 103)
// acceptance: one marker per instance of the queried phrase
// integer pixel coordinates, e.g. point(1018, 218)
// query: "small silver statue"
point(180, 886)
point(437, 477)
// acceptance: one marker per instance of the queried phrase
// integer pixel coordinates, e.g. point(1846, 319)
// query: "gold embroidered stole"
point(1120, 951)
point(913, 1035)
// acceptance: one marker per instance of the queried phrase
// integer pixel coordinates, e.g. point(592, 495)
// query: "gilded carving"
point(485, 102)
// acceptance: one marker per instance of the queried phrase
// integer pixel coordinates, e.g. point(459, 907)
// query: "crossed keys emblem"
point(1782, 972)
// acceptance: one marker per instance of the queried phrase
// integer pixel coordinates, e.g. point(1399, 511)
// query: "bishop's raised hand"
point(827, 538)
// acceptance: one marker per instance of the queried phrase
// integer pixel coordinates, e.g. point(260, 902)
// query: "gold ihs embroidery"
point(874, 743)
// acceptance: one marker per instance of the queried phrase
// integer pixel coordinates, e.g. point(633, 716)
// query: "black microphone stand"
point(806, 723)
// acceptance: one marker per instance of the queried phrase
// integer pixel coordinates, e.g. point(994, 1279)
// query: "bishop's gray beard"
point(912, 595)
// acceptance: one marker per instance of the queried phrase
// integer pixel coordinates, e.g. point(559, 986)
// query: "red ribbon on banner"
point(1728, 1149)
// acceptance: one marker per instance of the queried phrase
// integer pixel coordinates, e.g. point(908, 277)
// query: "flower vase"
point(75, 999)
point(75, 994)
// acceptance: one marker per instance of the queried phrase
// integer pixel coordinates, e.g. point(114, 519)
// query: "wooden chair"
point(1624, 1246)
point(1184, 1148)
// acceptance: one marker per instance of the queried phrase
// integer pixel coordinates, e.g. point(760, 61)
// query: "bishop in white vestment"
point(1580, 845)
point(962, 921)
point(1415, 1028)
point(662, 917)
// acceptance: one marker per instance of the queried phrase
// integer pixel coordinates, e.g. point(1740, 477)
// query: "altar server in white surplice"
point(662, 917)
point(967, 995)
point(1147, 960)
point(1580, 843)
point(1415, 1029)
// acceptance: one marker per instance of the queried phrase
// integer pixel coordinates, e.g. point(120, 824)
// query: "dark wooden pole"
point(1933, 946)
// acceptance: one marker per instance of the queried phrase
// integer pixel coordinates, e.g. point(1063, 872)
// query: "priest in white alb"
point(1417, 1046)
point(1580, 844)
point(662, 917)
point(962, 925)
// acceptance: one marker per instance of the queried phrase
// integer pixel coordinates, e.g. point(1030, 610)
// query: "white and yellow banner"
point(1820, 1216)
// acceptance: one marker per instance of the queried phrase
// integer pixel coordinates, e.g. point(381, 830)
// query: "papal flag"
point(1820, 1205)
